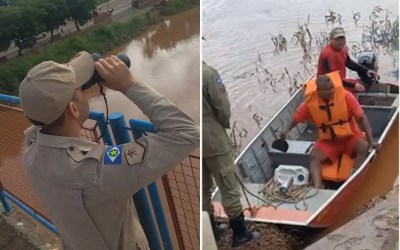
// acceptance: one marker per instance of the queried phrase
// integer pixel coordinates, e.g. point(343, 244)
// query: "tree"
point(81, 11)
point(4, 3)
point(6, 31)
point(56, 13)
point(26, 22)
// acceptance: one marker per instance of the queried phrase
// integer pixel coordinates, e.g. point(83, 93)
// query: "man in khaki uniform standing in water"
point(86, 187)
point(218, 162)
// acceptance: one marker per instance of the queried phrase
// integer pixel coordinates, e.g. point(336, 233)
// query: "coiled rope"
point(274, 198)
point(294, 195)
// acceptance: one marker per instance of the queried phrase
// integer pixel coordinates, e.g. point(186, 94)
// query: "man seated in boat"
point(335, 112)
point(335, 57)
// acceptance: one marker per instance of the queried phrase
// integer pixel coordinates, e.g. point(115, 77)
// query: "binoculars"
point(96, 76)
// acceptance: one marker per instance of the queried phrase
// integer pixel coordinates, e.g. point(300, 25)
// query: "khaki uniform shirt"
point(216, 114)
point(86, 187)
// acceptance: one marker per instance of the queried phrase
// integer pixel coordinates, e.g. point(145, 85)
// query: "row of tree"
point(22, 20)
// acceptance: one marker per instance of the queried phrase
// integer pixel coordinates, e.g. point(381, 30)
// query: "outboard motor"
point(368, 60)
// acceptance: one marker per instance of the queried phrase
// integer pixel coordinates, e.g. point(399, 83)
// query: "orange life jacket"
point(330, 118)
point(338, 171)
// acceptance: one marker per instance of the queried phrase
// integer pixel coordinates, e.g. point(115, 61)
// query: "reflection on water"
point(167, 57)
point(169, 33)
point(239, 45)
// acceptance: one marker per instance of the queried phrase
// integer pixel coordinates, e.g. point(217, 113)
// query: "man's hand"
point(115, 73)
point(283, 135)
point(359, 87)
point(372, 74)
point(376, 146)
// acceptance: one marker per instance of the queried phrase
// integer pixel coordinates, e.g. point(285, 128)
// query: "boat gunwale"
point(365, 164)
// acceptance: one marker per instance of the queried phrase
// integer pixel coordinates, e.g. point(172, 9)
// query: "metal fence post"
point(121, 135)
point(138, 127)
point(8, 209)
point(101, 121)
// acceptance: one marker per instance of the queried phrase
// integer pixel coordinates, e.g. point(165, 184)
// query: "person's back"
point(216, 114)
point(217, 157)
point(86, 187)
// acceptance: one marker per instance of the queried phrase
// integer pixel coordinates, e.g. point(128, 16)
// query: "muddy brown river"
point(167, 57)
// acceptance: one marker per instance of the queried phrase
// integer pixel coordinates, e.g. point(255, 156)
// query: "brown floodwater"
point(167, 57)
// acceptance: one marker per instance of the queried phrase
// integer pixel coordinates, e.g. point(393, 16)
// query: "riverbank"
point(111, 35)
point(376, 228)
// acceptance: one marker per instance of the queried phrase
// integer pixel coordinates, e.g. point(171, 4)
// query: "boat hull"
point(380, 174)
point(333, 206)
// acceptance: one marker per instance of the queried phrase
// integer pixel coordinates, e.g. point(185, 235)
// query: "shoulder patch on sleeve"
point(218, 82)
point(112, 156)
point(134, 153)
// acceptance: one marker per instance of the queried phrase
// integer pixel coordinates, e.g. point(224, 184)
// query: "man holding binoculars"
point(86, 187)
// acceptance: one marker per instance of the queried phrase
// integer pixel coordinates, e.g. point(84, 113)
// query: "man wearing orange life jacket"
point(335, 112)
point(335, 57)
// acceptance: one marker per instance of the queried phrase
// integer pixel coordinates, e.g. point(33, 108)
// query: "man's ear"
point(73, 110)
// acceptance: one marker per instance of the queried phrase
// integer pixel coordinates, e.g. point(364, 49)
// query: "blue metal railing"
point(139, 127)
point(101, 121)
point(30, 211)
point(7, 208)
point(9, 99)
point(121, 135)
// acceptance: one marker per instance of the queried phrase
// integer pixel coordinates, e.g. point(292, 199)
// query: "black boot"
point(217, 229)
point(240, 233)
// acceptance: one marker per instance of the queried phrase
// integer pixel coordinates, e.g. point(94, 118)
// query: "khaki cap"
point(337, 32)
point(49, 86)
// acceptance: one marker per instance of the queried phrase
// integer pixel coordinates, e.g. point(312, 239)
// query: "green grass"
point(176, 6)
